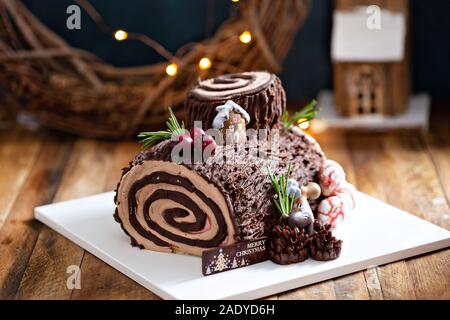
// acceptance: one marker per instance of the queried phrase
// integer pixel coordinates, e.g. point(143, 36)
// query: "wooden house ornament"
point(231, 120)
point(371, 62)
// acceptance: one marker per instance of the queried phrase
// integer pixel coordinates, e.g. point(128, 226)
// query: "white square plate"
point(375, 234)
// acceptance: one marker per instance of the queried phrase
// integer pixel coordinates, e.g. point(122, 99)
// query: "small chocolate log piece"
point(259, 93)
point(288, 245)
point(323, 245)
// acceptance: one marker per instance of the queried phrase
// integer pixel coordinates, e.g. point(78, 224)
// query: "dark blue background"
point(307, 69)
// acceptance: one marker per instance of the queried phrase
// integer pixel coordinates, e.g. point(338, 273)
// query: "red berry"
point(185, 138)
point(196, 132)
point(209, 141)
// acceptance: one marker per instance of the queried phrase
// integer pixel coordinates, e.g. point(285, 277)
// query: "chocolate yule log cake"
point(191, 191)
point(166, 206)
point(259, 93)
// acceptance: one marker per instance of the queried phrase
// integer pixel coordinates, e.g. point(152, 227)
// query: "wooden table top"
point(410, 170)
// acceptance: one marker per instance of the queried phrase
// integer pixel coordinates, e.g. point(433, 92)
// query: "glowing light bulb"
point(235, 0)
point(172, 69)
point(304, 124)
point(120, 35)
point(204, 63)
point(245, 37)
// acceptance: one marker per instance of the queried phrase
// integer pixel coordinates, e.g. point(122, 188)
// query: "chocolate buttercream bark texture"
point(260, 93)
point(192, 207)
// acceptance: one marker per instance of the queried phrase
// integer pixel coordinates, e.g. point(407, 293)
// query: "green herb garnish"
point(283, 202)
point(174, 128)
point(307, 113)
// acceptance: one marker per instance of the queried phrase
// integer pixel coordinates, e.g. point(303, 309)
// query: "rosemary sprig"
point(173, 125)
point(307, 113)
point(174, 128)
point(283, 202)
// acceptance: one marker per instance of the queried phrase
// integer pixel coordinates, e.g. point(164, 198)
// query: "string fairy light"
point(303, 124)
point(172, 69)
point(204, 63)
point(245, 37)
point(121, 35)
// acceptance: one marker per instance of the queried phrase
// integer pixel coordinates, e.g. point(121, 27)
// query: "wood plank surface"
point(406, 179)
point(438, 143)
point(85, 174)
point(20, 230)
point(18, 151)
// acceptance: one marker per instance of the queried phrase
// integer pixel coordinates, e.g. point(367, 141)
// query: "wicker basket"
point(73, 90)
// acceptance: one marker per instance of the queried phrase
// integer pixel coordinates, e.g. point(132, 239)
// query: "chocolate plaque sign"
point(235, 256)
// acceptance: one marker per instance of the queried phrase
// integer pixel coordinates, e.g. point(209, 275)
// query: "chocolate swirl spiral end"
point(167, 207)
